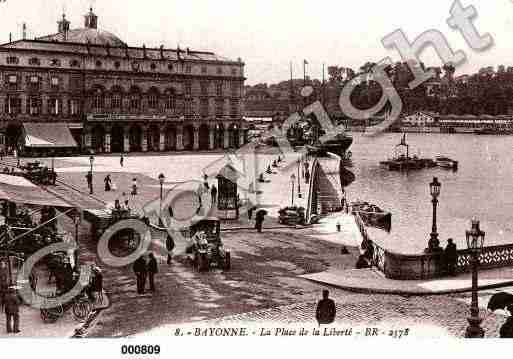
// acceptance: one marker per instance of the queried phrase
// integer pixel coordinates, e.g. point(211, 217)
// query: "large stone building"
point(85, 88)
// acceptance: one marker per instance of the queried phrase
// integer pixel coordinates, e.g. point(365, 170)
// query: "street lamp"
point(475, 241)
point(292, 181)
point(434, 188)
point(161, 181)
point(91, 161)
point(76, 221)
point(299, 195)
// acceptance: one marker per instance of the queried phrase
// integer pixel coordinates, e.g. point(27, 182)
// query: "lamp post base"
point(474, 330)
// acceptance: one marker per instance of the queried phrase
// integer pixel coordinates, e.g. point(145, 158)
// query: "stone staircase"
point(328, 187)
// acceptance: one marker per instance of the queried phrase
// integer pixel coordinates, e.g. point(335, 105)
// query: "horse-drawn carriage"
point(35, 173)
point(206, 248)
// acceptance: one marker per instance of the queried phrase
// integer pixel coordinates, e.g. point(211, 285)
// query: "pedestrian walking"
point(97, 284)
point(307, 176)
point(134, 187)
point(250, 212)
point(12, 311)
point(121, 160)
point(4, 282)
point(326, 310)
point(451, 257)
point(140, 271)
point(170, 245)
point(108, 183)
point(213, 194)
point(89, 179)
point(152, 270)
point(259, 220)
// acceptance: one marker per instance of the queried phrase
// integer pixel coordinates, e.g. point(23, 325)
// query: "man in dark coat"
point(326, 310)
point(451, 257)
point(152, 270)
point(213, 194)
point(259, 221)
point(170, 245)
point(506, 330)
point(140, 271)
point(12, 311)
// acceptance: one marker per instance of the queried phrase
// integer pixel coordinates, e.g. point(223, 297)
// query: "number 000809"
point(140, 349)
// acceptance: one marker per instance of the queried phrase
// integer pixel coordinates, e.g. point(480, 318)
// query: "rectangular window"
point(219, 108)
point(188, 69)
point(188, 107)
point(116, 101)
point(13, 79)
point(188, 89)
point(234, 108)
point(34, 106)
point(170, 103)
point(98, 102)
point(53, 106)
point(73, 107)
point(13, 105)
point(135, 102)
point(219, 89)
point(153, 101)
point(13, 60)
point(204, 108)
point(234, 88)
point(204, 89)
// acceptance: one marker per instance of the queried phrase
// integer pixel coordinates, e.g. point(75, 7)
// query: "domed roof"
point(86, 35)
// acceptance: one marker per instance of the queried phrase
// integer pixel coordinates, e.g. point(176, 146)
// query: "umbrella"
point(500, 301)
point(261, 212)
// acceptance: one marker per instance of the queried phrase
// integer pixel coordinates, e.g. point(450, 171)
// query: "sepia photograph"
point(255, 169)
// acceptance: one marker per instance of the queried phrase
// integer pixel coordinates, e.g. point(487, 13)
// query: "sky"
point(268, 34)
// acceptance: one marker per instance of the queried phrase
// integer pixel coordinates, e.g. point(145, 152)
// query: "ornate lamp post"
point(91, 161)
point(292, 182)
point(299, 195)
point(475, 240)
point(161, 181)
point(434, 188)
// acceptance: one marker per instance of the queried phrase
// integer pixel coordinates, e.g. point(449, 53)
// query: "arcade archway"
point(204, 137)
point(188, 137)
point(116, 140)
point(154, 138)
point(135, 138)
point(170, 138)
point(98, 136)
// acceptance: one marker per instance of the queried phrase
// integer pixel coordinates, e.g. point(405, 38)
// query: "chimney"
point(10, 37)
point(24, 34)
point(188, 51)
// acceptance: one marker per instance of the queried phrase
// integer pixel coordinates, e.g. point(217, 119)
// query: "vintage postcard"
point(255, 169)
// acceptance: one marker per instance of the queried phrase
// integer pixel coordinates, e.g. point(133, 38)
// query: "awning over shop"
point(53, 135)
point(20, 190)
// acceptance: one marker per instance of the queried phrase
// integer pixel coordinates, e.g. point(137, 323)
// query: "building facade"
point(115, 98)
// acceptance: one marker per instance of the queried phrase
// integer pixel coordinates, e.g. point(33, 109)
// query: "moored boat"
point(446, 162)
point(372, 215)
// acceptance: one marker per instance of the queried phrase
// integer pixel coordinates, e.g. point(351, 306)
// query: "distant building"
point(102, 95)
point(420, 119)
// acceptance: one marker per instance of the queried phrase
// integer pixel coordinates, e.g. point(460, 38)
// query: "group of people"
point(145, 267)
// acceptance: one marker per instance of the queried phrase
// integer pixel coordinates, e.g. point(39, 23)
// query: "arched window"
point(170, 100)
point(153, 98)
point(135, 99)
point(98, 100)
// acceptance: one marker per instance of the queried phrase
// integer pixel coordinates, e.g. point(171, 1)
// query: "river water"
point(482, 188)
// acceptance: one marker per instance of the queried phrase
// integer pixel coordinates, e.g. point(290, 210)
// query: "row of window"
point(34, 82)
point(98, 103)
point(34, 106)
point(136, 66)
